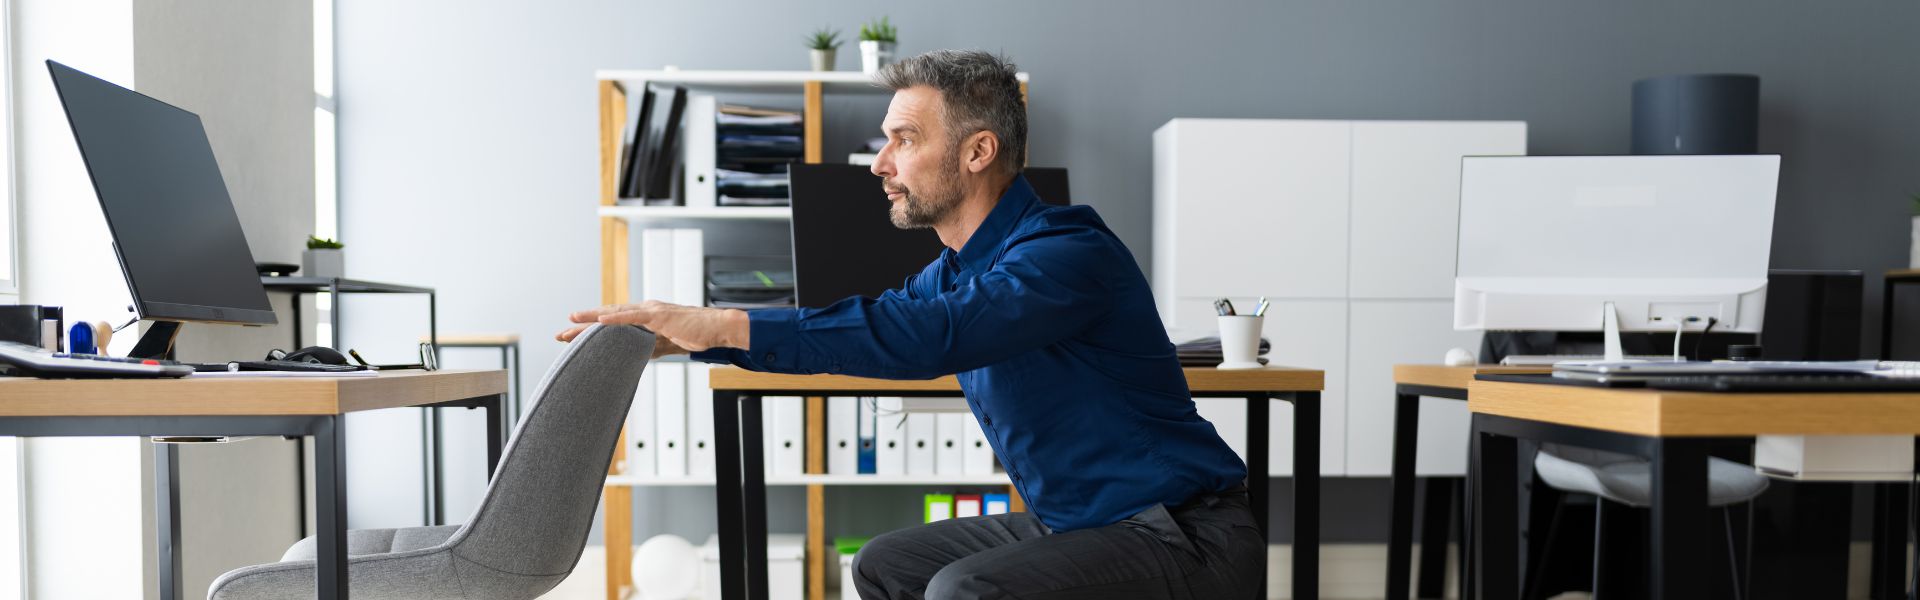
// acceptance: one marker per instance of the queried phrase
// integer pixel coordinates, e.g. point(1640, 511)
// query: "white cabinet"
point(1406, 202)
point(1350, 227)
point(1390, 332)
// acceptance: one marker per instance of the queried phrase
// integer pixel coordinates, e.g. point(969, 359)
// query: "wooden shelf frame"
point(616, 282)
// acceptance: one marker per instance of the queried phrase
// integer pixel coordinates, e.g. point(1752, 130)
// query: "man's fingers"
point(568, 334)
point(592, 315)
point(631, 317)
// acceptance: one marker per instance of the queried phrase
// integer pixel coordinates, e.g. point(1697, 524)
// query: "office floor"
point(1350, 571)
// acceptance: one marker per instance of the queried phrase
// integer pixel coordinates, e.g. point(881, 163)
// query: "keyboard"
point(34, 361)
point(1830, 382)
point(272, 365)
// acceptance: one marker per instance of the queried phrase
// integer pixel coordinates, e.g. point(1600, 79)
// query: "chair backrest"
point(537, 511)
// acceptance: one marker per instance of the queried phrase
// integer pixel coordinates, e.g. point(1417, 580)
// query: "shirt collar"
point(983, 246)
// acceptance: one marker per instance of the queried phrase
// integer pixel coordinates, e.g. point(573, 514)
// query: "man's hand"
point(678, 328)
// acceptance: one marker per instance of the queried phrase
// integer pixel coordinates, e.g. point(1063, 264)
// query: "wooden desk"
point(1411, 382)
point(741, 485)
point(253, 406)
point(1671, 429)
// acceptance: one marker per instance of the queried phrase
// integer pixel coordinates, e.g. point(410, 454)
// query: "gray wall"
point(247, 68)
point(468, 137)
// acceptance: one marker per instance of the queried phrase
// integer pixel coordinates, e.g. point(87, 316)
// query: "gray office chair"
point(1628, 480)
point(531, 525)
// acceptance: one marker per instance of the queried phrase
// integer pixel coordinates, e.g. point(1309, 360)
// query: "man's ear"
point(980, 151)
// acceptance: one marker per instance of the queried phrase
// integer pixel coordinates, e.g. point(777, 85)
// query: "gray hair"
point(980, 91)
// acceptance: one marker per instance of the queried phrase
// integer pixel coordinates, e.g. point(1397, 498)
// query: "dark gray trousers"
point(1205, 550)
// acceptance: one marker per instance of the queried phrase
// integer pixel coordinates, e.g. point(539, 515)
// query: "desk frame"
point(330, 481)
point(742, 498)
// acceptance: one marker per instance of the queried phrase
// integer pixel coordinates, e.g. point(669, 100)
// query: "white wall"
point(83, 503)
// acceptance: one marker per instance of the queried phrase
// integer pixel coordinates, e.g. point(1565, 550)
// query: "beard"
point(931, 204)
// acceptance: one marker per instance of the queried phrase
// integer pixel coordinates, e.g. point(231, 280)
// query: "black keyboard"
point(1831, 382)
point(272, 365)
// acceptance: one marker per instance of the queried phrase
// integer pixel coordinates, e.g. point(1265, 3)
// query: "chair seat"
point(1629, 480)
point(369, 542)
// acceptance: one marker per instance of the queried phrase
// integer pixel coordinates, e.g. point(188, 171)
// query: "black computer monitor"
point(844, 244)
point(174, 229)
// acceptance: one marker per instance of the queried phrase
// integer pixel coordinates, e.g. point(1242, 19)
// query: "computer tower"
point(1696, 114)
point(1812, 315)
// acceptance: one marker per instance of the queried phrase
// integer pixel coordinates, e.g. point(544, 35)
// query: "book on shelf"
point(633, 167)
point(659, 176)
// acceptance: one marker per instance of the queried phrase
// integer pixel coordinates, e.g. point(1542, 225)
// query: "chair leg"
point(1733, 557)
point(1599, 527)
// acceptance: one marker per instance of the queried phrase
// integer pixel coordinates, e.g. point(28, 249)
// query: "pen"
point(1261, 310)
point(1224, 307)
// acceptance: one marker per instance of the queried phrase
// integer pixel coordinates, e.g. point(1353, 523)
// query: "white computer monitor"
point(1547, 243)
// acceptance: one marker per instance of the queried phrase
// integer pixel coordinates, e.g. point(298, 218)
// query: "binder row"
point(941, 507)
point(670, 433)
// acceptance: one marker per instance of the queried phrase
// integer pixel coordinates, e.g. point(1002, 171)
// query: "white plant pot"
point(874, 55)
point(823, 60)
point(1913, 250)
point(323, 262)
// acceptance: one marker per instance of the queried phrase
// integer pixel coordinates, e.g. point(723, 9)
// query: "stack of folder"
point(753, 147)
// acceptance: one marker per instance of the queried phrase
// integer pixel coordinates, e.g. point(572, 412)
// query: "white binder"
point(978, 459)
point(698, 140)
point(700, 445)
point(789, 428)
point(843, 435)
point(656, 264)
point(950, 444)
point(920, 443)
point(689, 267)
point(670, 402)
point(640, 428)
point(889, 437)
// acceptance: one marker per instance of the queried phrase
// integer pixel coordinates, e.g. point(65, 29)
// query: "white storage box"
point(1835, 457)
point(847, 591)
point(786, 568)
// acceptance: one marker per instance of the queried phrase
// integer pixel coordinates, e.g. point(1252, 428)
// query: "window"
point(326, 199)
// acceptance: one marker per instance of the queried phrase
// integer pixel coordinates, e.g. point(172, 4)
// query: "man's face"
point(919, 168)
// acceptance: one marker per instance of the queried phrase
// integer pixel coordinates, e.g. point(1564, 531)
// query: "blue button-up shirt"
point(1051, 328)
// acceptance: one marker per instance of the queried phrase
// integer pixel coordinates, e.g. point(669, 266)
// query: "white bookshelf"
point(635, 213)
point(834, 480)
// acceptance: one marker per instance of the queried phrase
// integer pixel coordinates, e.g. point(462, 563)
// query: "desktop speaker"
point(1697, 114)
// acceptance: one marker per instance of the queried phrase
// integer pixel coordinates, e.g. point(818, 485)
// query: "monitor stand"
point(1610, 333)
point(157, 342)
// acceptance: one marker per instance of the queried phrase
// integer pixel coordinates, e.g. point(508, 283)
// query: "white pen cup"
point(1240, 341)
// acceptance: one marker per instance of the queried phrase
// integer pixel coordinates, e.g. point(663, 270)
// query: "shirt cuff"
point(774, 338)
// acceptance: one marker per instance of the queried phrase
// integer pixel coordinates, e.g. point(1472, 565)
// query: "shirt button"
point(986, 419)
point(772, 357)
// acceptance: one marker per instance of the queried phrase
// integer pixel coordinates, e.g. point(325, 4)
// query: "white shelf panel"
point(750, 81)
point(995, 479)
point(666, 213)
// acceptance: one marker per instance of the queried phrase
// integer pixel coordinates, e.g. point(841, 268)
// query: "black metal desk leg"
point(1259, 436)
point(1496, 537)
point(1437, 510)
point(1306, 495)
point(166, 511)
point(1406, 429)
point(727, 470)
point(1680, 520)
point(753, 492)
point(496, 432)
point(330, 489)
point(1889, 564)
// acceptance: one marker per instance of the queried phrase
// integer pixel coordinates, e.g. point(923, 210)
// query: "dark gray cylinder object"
point(1697, 114)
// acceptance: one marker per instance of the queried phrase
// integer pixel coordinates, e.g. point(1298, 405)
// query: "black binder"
point(633, 170)
point(660, 173)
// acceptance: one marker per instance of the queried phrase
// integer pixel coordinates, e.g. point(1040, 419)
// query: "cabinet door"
point(1304, 333)
point(1390, 332)
point(1406, 201)
point(1251, 207)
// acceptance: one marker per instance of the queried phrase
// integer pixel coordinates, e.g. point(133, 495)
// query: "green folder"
point(939, 507)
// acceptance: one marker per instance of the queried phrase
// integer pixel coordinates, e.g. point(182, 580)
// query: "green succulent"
point(824, 38)
point(319, 243)
point(879, 31)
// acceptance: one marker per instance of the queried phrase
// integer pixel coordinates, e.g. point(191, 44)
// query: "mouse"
point(317, 354)
point(1459, 357)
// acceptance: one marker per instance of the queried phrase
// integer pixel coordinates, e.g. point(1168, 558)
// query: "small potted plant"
point(877, 39)
point(323, 258)
point(824, 43)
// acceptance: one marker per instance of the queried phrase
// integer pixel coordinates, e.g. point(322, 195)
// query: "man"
point(1051, 328)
